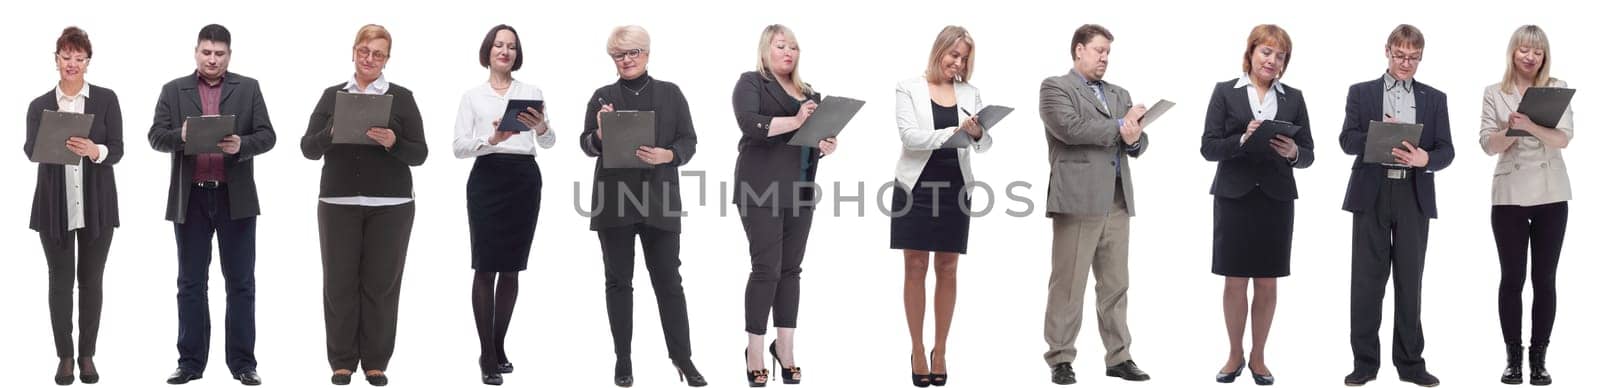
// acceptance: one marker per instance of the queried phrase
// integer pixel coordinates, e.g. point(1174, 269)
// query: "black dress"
point(935, 222)
point(503, 194)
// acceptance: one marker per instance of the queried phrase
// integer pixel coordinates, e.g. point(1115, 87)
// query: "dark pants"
point(1393, 234)
point(777, 245)
point(1545, 226)
point(363, 258)
point(661, 259)
point(89, 265)
point(208, 214)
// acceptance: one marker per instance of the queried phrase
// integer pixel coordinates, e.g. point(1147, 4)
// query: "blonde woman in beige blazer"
point(1530, 194)
point(929, 216)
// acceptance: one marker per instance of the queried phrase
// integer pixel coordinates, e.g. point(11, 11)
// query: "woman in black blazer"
point(617, 219)
point(76, 202)
point(1253, 221)
point(773, 187)
point(364, 214)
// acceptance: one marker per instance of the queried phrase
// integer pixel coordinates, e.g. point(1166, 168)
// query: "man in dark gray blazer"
point(1092, 128)
point(214, 193)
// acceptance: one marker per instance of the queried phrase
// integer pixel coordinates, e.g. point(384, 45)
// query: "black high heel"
point(920, 380)
point(937, 379)
point(688, 374)
point(788, 373)
point(89, 374)
point(1226, 378)
point(752, 375)
point(64, 379)
point(622, 376)
point(491, 372)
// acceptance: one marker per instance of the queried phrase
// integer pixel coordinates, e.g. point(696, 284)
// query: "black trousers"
point(1394, 234)
point(1515, 227)
point(208, 215)
point(363, 259)
point(661, 259)
point(89, 266)
point(777, 245)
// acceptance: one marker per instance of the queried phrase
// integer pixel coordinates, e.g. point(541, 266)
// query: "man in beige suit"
point(1092, 127)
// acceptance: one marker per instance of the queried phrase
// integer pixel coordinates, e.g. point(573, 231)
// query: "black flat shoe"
point(623, 374)
point(1062, 374)
point(64, 378)
point(506, 367)
point(1422, 379)
point(688, 374)
point(1359, 378)
point(493, 379)
point(1127, 370)
point(378, 380)
point(341, 378)
point(752, 376)
point(1226, 378)
point(1262, 379)
point(248, 377)
point(89, 374)
point(789, 374)
point(182, 376)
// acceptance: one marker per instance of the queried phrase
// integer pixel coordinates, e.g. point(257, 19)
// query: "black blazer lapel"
point(229, 83)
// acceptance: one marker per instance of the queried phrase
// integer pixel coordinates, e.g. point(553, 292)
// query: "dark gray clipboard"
point(1545, 106)
point(354, 113)
point(987, 118)
point(1383, 137)
point(50, 144)
point(205, 132)
point(508, 120)
point(1155, 112)
point(1261, 140)
point(622, 133)
point(832, 114)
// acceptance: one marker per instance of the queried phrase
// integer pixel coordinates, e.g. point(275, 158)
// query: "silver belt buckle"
point(1396, 173)
point(208, 184)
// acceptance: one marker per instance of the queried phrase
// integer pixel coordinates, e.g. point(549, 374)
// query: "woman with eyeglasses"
point(641, 203)
point(364, 214)
point(75, 205)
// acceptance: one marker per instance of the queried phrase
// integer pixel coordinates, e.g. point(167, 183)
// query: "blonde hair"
point(947, 40)
point(1268, 35)
point(631, 36)
point(1529, 36)
point(374, 32)
point(767, 35)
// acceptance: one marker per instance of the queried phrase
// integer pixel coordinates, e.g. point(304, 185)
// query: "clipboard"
point(1544, 106)
point(1155, 112)
point(987, 118)
point(623, 132)
point(205, 132)
point(1383, 137)
point(353, 114)
point(1260, 141)
point(832, 114)
point(508, 120)
point(50, 144)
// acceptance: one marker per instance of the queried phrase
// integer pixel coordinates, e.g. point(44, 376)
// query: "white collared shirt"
point(1265, 108)
point(74, 174)
point(379, 86)
point(480, 107)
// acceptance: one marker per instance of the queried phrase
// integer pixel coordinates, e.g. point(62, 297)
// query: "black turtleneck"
point(643, 100)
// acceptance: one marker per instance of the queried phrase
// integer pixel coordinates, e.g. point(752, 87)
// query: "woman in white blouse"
point(502, 192)
point(1530, 194)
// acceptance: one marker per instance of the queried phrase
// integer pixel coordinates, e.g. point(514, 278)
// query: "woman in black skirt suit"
point(502, 193)
point(1253, 221)
point(930, 203)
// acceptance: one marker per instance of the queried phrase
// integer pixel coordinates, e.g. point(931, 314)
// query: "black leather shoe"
point(88, 373)
point(182, 376)
point(1127, 370)
point(789, 373)
point(756, 378)
point(341, 379)
point(506, 367)
point(378, 380)
point(623, 374)
point(1229, 377)
point(493, 378)
point(1538, 375)
point(1359, 378)
point(1262, 379)
point(248, 377)
point(1062, 374)
point(1513, 372)
point(1422, 378)
point(688, 374)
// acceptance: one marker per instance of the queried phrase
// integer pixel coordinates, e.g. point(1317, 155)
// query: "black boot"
point(1513, 372)
point(1536, 353)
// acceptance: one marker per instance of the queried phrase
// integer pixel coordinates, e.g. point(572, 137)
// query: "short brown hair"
point(947, 40)
point(1087, 33)
point(1270, 35)
point(374, 32)
point(74, 39)
point(488, 44)
point(1405, 35)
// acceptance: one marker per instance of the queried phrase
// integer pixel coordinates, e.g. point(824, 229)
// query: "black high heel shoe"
point(937, 379)
point(491, 372)
point(688, 374)
point(788, 373)
point(506, 367)
point(1229, 377)
point(64, 379)
point(920, 380)
point(752, 375)
point(622, 376)
point(1262, 379)
point(89, 374)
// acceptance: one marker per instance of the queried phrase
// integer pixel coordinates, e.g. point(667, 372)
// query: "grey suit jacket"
point(1084, 140)
point(241, 97)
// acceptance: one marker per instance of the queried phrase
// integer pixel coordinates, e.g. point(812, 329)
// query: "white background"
point(852, 323)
